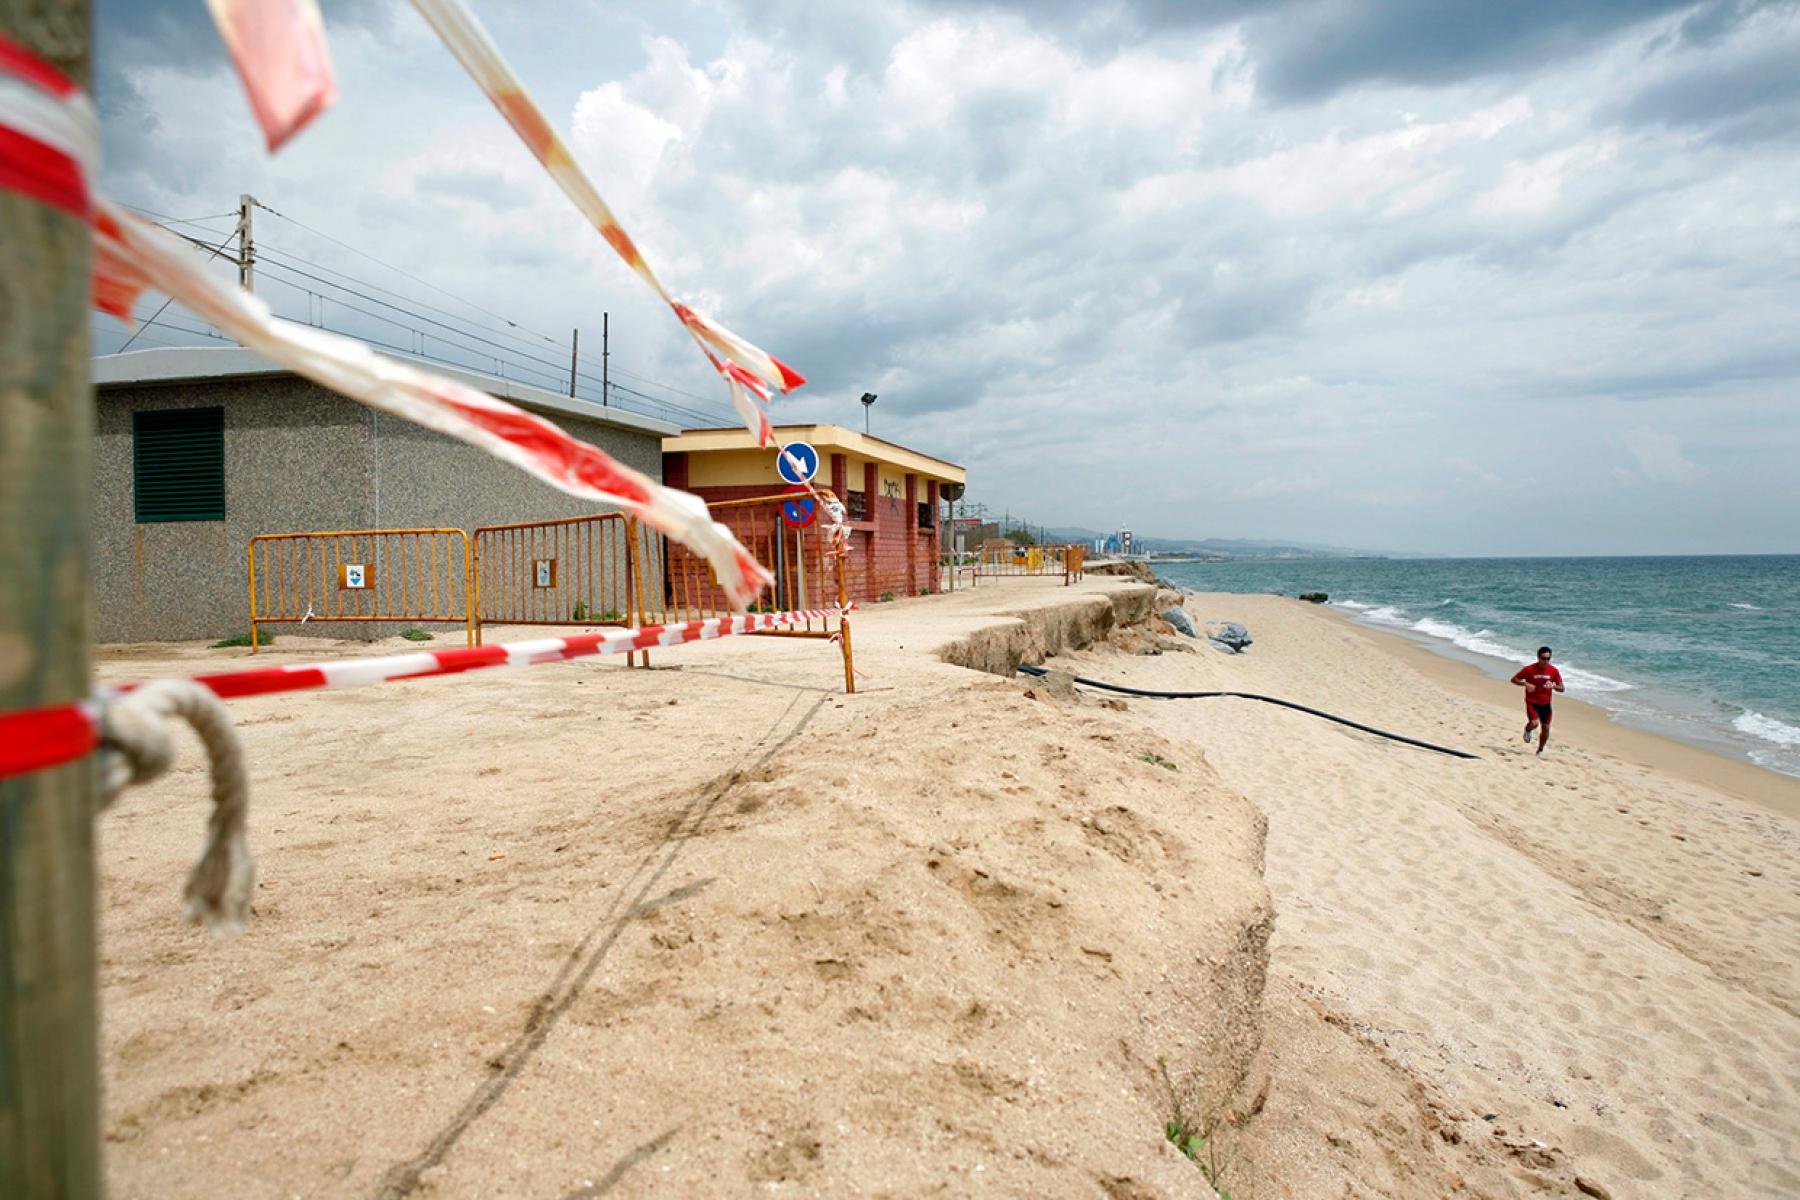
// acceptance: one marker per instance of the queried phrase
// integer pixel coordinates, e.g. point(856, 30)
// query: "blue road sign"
point(800, 511)
point(804, 455)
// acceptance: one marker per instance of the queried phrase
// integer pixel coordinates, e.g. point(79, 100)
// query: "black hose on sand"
point(1131, 691)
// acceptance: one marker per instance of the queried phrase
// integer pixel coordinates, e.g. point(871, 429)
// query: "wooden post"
point(843, 590)
point(49, 1059)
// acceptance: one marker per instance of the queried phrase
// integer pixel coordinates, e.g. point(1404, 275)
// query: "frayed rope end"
point(220, 886)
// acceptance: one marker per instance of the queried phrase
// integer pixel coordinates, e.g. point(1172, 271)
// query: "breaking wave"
point(1767, 729)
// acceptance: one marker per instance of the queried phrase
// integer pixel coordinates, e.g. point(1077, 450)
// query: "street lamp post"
point(868, 401)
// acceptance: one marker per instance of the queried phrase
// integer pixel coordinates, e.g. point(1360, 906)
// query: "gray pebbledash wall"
point(299, 458)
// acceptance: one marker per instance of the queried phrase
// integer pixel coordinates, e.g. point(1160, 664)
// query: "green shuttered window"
point(178, 461)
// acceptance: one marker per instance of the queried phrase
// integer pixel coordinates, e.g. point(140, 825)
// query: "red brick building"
point(893, 495)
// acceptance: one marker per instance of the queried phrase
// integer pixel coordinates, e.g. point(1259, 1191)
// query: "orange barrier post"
point(1074, 558)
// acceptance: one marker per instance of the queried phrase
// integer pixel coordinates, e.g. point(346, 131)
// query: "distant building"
point(971, 533)
point(893, 494)
point(198, 449)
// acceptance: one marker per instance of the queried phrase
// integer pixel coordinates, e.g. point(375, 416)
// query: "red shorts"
point(1537, 712)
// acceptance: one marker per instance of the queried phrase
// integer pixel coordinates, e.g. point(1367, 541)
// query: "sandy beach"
point(716, 929)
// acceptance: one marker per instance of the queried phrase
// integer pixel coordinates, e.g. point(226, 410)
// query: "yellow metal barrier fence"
point(1000, 557)
point(806, 577)
point(418, 576)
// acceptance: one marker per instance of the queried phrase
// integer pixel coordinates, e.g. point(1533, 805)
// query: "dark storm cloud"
point(128, 38)
point(154, 34)
point(1312, 50)
point(1737, 98)
point(134, 36)
point(1305, 51)
point(1715, 372)
point(1232, 245)
point(144, 33)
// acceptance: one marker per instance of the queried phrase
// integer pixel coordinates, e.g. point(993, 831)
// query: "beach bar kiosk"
point(893, 495)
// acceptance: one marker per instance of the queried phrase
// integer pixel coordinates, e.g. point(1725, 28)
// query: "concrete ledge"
point(1031, 635)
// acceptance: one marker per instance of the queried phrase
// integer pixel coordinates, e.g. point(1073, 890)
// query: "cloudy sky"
point(1413, 275)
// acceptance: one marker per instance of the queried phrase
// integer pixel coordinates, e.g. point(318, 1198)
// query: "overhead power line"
point(165, 304)
point(398, 271)
point(437, 334)
point(280, 256)
point(555, 366)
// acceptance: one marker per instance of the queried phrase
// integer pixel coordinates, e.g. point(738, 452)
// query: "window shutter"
point(178, 464)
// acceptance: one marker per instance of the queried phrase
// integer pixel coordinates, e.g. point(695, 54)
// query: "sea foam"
point(1767, 728)
point(1481, 641)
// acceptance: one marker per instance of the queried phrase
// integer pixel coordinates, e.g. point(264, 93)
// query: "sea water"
point(1705, 650)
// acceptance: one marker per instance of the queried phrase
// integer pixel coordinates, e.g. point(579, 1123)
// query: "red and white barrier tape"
point(748, 371)
point(131, 254)
point(49, 136)
point(34, 739)
point(278, 48)
point(47, 152)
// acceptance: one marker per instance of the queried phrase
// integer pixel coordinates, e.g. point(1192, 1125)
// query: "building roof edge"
point(164, 365)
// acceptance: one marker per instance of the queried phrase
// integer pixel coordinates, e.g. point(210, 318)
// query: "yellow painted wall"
point(722, 457)
point(745, 468)
point(734, 468)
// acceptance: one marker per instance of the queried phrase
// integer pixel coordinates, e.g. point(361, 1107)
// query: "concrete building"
point(893, 495)
point(197, 450)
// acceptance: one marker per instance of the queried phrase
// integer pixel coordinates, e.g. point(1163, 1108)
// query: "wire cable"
point(363, 253)
point(1131, 691)
point(556, 368)
point(282, 267)
point(282, 256)
point(165, 304)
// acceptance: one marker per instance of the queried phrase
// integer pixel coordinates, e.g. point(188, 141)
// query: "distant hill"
point(1226, 547)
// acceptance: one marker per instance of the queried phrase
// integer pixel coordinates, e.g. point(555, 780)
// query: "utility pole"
point(246, 244)
point(49, 1060)
point(605, 357)
point(574, 358)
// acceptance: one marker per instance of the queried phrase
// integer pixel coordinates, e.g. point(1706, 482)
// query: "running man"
point(1538, 679)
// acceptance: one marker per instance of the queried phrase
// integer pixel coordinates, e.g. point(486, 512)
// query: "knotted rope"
point(136, 746)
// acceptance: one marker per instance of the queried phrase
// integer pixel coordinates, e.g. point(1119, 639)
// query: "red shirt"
point(1539, 677)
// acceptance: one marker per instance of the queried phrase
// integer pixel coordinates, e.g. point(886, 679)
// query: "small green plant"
point(582, 612)
point(234, 641)
point(886, 596)
point(1191, 1144)
point(416, 635)
point(1157, 760)
point(1185, 1141)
